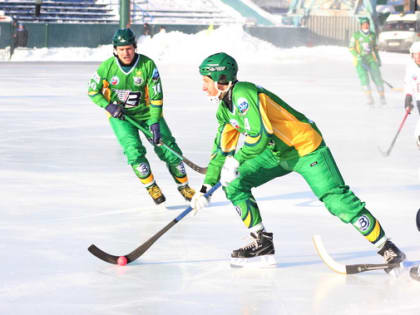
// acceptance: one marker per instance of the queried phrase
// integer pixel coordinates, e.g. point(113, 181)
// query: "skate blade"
point(396, 272)
point(265, 261)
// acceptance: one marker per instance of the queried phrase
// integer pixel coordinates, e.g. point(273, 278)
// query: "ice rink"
point(65, 184)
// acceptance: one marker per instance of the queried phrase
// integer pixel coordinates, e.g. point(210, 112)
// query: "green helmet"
point(220, 68)
point(364, 20)
point(124, 37)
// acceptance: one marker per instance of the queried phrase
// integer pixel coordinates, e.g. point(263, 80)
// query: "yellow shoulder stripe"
point(229, 138)
point(265, 120)
point(286, 127)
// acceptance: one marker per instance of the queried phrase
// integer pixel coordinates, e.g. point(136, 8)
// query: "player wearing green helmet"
point(124, 37)
point(129, 84)
point(277, 140)
point(222, 69)
point(364, 49)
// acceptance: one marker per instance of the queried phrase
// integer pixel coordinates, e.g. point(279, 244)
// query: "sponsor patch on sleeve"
point(155, 75)
point(242, 105)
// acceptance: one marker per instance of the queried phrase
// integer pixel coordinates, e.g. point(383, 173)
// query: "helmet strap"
point(220, 93)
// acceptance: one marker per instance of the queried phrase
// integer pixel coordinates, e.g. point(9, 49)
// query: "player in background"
point(129, 84)
point(412, 86)
point(364, 49)
point(278, 140)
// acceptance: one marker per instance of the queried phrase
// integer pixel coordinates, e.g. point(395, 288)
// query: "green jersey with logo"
point(363, 44)
point(137, 86)
point(264, 119)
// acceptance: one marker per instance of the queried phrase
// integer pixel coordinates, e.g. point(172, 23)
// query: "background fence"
point(317, 30)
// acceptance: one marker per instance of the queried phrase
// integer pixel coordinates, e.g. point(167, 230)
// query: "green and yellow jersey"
point(363, 45)
point(137, 86)
point(263, 119)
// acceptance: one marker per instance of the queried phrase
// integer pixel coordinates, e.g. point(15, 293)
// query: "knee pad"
point(368, 226)
point(143, 172)
point(178, 173)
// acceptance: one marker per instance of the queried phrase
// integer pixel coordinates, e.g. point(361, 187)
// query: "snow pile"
point(180, 48)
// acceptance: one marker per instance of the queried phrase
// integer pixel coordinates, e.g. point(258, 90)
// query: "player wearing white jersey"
point(412, 85)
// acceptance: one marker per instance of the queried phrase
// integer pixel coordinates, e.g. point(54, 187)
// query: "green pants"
point(323, 177)
point(129, 138)
point(363, 69)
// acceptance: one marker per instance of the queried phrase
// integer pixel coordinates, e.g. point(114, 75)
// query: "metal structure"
point(332, 21)
point(125, 13)
point(305, 8)
point(350, 6)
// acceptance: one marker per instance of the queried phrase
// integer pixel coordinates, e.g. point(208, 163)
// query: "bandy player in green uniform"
point(278, 140)
point(129, 84)
point(364, 49)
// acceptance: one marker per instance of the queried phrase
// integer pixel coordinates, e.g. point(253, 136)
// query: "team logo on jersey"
point(242, 105)
point(115, 80)
point(234, 123)
point(155, 75)
point(363, 223)
point(138, 80)
point(414, 77)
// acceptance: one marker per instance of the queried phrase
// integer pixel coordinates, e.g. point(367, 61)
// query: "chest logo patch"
point(243, 105)
point(115, 80)
point(138, 80)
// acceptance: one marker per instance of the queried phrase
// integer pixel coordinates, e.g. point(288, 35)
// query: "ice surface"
point(64, 184)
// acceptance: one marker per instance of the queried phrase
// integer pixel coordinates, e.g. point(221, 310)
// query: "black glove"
point(408, 104)
point(155, 128)
point(115, 110)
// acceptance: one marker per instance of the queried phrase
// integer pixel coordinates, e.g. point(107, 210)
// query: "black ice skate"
point(187, 192)
point(156, 194)
point(392, 255)
point(259, 252)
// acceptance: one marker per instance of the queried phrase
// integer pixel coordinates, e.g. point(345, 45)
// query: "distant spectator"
point(14, 24)
point(38, 7)
point(147, 31)
point(162, 29)
point(21, 36)
point(13, 37)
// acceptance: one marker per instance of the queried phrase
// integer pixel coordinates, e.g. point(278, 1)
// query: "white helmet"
point(415, 48)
